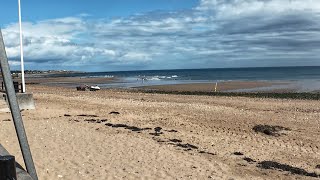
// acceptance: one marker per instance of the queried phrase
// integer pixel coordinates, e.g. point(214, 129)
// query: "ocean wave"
point(154, 79)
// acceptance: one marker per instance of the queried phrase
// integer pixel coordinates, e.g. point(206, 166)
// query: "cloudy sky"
point(108, 35)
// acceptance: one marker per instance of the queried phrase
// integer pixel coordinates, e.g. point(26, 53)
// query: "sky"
point(108, 35)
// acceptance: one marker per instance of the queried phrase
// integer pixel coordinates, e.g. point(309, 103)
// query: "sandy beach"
point(110, 134)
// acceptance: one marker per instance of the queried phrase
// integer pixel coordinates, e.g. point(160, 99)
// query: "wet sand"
point(190, 87)
point(114, 134)
point(211, 87)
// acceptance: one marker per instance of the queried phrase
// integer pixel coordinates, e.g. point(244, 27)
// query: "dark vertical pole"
point(15, 111)
point(8, 168)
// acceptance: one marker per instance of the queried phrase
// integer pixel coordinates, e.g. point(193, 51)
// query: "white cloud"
point(211, 35)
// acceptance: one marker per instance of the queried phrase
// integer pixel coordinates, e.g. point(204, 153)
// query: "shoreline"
point(178, 86)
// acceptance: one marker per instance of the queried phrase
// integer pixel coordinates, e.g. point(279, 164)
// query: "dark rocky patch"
point(249, 160)
point(285, 167)
point(67, 115)
point(318, 166)
point(269, 130)
point(175, 140)
point(86, 115)
point(114, 112)
point(104, 120)
point(187, 146)
point(238, 153)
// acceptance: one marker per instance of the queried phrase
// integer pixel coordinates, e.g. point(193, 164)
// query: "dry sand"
point(68, 146)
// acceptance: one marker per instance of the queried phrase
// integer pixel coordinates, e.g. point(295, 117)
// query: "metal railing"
point(15, 111)
point(9, 168)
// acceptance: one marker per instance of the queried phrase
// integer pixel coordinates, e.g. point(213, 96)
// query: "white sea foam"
point(154, 79)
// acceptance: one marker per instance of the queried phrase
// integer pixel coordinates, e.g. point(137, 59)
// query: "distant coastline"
point(269, 79)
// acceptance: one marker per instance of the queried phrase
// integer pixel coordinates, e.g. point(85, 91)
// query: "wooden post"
point(7, 168)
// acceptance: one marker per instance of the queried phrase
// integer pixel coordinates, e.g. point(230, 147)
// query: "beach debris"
point(114, 112)
point(284, 167)
point(67, 115)
point(238, 153)
point(270, 130)
point(86, 115)
point(249, 160)
point(6, 120)
point(83, 87)
point(318, 166)
point(175, 140)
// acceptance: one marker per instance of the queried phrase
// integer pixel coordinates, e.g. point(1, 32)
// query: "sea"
point(302, 78)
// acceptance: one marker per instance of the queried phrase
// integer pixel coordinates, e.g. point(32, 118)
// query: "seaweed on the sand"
point(204, 152)
point(285, 167)
point(187, 146)
point(269, 130)
point(132, 128)
point(249, 160)
point(119, 125)
point(238, 153)
point(90, 120)
point(175, 140)
point(87, 115)
point(172, 130)
point(275, 95)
